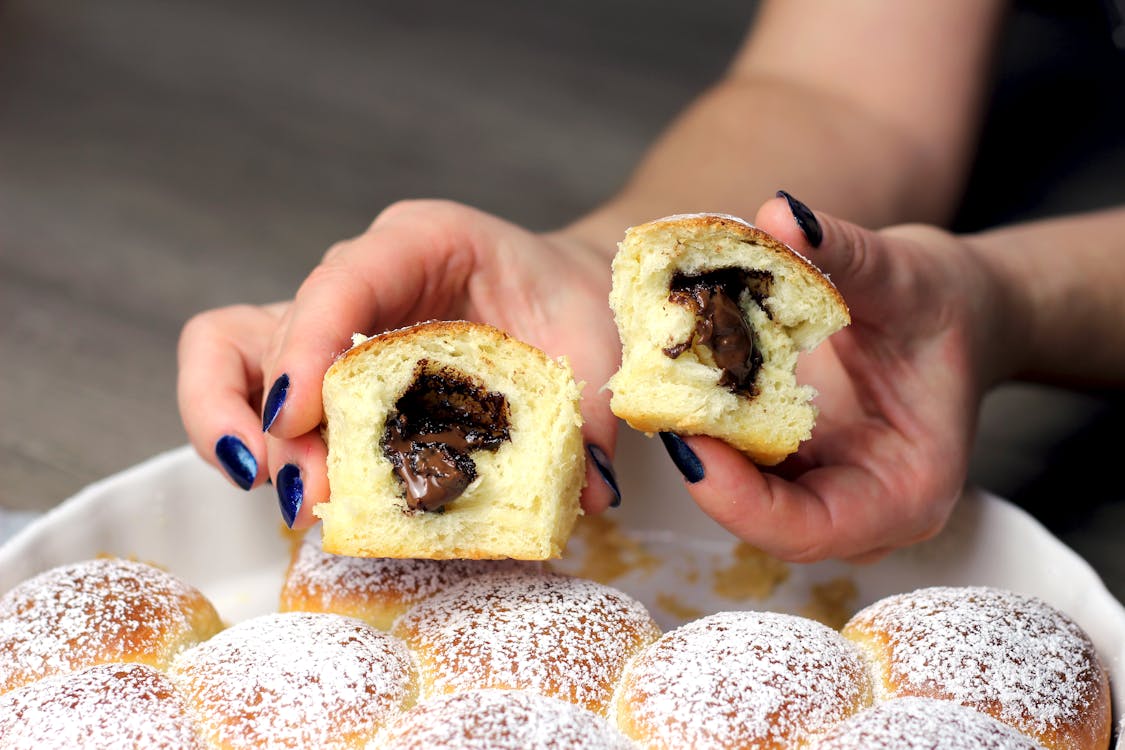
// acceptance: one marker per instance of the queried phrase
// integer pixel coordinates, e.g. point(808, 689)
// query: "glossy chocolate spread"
point(440, 419)
point(720, 326)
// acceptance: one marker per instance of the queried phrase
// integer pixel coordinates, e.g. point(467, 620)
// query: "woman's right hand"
point(250, 377)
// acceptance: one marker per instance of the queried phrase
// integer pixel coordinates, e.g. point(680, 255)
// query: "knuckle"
point(329, 274)
point(863, 253)
point(335, 252)
point(402, 208)
point(434, 209)
point(211, 322)
point(394, 211)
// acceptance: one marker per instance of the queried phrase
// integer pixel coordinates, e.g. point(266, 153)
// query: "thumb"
point(599, 431)
point(590, 342)
point(857, 260)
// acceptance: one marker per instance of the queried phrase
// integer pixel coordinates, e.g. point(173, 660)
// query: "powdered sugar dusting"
point(741, 679)
point(373, 589)
point(501, 720)
point(107, 706)
point(565, 637)
point(923, 724)
point(296, 680)
point(1011, 655)
point(98, 611)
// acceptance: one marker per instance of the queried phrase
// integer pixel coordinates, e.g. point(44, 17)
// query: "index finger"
point(393, 275)
point(218, 387)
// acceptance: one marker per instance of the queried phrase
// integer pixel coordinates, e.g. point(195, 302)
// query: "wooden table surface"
point(159, 158)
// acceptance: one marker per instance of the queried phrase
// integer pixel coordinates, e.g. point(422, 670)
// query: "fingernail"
point(605, 469)
point(278, 391)
point(290, 492)
point(805, 218)
point(237, 460)
point(683, 457)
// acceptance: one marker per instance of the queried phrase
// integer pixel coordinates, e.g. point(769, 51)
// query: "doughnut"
point(741, 679)
point(295, 679)
point(563, 637)
point(712, 313)
point(450, 440)
point(501, 720)
point(109, 705)
point(922, 724)
point(373, 589)
point(95, 612)
point(1011, 656)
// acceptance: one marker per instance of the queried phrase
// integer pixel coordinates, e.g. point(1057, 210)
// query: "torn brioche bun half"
point(712, 313)
point(450, 440)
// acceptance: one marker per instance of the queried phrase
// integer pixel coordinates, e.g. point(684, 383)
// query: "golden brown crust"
point(1011, 656)
point(374, 589)
point(96, 612)
point(110, 705)
point(567, 638)
point(452, 329)
point(501, 720)
point(741, 679)
point(297, 680)
point(750, 233)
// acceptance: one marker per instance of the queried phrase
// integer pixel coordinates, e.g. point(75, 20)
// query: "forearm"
point(748, 137)
point(866, 109)
point(1061, 287)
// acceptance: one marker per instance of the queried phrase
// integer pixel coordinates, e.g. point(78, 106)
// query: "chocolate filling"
point(720, 327)
point(441, 418)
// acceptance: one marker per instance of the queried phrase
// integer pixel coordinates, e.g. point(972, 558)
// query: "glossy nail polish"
point(237, 460)
point(290, 492)
point(683, 457)
point(805, 219)
point(278, 391)
point(605, 470)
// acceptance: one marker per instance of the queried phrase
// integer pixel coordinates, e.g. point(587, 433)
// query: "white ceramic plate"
point(175, 511)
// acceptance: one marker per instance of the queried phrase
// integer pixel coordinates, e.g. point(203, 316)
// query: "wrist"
point(601, 229)
point(1004, 334)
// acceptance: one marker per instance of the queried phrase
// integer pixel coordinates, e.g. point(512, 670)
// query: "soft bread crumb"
point(654, 392)
point(524, 501)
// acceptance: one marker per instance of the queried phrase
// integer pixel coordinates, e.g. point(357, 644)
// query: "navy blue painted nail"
point(290, 492)
point(237, 460)
point(278, 391)
point(805, 218)
point(605, 469)
point(683, 457)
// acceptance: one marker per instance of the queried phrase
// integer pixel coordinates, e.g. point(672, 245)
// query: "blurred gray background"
point(158, 158)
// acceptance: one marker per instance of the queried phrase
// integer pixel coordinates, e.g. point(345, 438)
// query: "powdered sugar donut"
point(1009, 655)
point(564, 637)
point(110, 705)
point(501, 720)
point(922, 724)
point(94, 612)
point(296, 680)
point(373, 589)
point(741, 679)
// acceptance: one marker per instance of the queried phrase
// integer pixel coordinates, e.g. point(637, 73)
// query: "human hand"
point(899, 392)
point(419, 260)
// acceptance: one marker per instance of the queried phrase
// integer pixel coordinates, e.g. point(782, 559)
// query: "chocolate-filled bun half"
point(712, 313)
point(450, 440)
